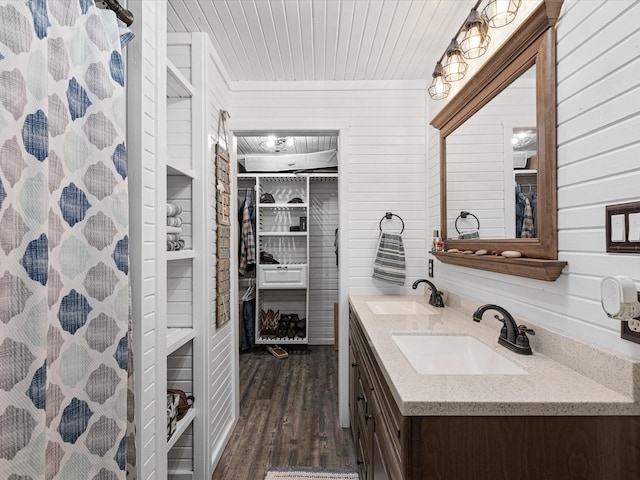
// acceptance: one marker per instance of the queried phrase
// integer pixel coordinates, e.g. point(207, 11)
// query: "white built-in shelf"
point(281, 341)
point(177, 84)
point(283, 234)
point(177, 337)
point(283, 205)
point(181, 427)
point(525, 171)
point(177, 170)
point(180, 254)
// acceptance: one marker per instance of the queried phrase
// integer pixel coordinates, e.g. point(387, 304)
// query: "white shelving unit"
point(281, 287)
point(183, 308)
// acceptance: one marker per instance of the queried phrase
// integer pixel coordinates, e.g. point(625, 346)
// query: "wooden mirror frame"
point(534, 42)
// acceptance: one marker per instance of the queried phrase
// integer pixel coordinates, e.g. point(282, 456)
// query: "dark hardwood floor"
point(288, 416)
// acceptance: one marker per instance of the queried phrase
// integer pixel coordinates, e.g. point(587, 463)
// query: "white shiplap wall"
point(323, 271)
point(222, 402)
point(598, 151)
point(144, 126)
point(385, 166)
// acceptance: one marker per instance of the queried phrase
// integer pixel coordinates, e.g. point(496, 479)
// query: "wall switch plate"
point(622, 222)
point(431, 268)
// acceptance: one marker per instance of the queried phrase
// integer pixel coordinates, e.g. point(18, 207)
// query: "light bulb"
point(289, 141)
point(475, 40)
point(439, 88)
point(501, 12)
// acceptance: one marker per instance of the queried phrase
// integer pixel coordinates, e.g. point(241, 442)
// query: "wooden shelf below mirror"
point(539, 269)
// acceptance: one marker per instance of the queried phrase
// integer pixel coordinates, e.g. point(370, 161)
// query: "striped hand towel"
point(389, 265)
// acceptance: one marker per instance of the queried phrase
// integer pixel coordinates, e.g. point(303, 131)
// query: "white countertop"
point(549, 388)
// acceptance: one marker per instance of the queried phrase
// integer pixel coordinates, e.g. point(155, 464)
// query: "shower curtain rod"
point(122, 13)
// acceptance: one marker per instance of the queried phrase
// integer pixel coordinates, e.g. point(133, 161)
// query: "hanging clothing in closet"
point(248, 339)
point(525, 215)
point(247, 219)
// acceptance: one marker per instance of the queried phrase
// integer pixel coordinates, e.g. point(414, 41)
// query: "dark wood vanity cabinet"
point(390, 446)
point(378, 428)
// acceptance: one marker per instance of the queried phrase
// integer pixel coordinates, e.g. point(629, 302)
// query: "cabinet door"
point(378, 471)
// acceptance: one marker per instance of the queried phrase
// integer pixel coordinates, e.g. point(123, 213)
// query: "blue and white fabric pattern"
point(64, 260)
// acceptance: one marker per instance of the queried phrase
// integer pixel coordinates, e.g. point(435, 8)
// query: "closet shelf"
point(281, 341)
point(177, 337)
point(283, 234)
point(283, 205)
point(177, 84)
point(182, 427)
point(174, 169)
point(180, 255)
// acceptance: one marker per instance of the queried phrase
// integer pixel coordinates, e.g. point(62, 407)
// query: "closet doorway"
point(287, 225)
point(286, 291)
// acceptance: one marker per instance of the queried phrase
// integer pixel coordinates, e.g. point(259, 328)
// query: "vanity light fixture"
point(454, 66)
point(439, 88)
point(473, 44)
point(476, 39)
point(501, 12)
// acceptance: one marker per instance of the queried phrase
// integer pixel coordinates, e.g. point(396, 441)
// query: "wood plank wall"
point(598, 151)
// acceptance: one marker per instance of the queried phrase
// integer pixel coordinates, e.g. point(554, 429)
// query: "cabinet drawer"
point(282, 276)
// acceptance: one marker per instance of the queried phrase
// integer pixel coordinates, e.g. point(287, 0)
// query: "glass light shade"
point(454, 67)
point(501, 12)
point(475, 40)
point(439, 88)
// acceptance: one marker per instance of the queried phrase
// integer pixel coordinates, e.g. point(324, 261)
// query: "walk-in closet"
point(287, 224)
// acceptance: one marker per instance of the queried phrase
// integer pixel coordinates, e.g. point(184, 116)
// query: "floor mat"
point(310, 474)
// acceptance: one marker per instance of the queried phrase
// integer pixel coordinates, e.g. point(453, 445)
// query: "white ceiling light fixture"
point(276, 144)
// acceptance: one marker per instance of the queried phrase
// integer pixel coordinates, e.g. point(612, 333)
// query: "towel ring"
point(464, 215)
point(389, 216)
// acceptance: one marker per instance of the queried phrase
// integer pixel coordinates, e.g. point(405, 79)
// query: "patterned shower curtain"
point(64, 289)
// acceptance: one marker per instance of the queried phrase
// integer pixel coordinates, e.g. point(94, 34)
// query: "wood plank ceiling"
point(309, 143)
point(323, 40)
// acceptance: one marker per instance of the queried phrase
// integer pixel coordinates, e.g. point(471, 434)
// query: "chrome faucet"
point(512, 336)
point(436, 295)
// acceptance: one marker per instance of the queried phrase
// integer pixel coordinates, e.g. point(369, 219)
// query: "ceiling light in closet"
point(277, 144)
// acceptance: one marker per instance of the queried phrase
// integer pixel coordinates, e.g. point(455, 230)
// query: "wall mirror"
point(514, 93)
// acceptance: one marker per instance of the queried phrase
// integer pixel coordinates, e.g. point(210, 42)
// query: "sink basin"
point(453, 355)
point(399, 307)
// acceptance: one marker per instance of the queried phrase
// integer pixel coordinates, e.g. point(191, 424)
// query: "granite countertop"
point(549, 388)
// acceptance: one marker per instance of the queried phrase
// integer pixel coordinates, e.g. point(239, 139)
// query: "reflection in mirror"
point(492, 167)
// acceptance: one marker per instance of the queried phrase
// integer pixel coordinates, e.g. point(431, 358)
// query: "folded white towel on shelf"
point(389, 264)
point(173, 237)
point(177, 230)
point(174, 221)
point(173, 209)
